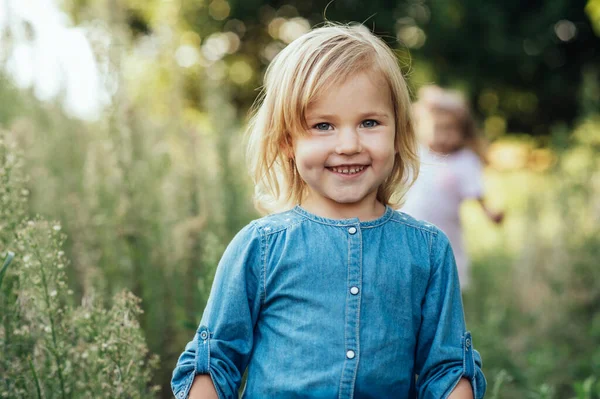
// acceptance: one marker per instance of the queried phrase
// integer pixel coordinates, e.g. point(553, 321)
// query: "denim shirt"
point(323, 308)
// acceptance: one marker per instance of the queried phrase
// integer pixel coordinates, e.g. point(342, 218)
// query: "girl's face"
point(446, 132)
point(349, 149)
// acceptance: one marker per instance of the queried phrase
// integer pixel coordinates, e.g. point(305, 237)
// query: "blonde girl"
point(334, 294)
point(452, 157)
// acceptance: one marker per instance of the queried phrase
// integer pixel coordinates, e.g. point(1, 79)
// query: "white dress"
point(443, 183)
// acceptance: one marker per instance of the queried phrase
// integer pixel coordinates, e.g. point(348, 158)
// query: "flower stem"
point(52, 327)
point(35, 378)
point(7, 260)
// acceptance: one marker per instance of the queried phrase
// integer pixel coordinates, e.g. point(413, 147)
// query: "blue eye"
point(370, 123)
point(322, 126)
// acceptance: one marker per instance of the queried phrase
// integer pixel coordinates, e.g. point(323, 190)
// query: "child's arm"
point(444, 356)
point(203, 388)
point(220, 349)
point(471, 185)
point(495, 217)
point(463, 390)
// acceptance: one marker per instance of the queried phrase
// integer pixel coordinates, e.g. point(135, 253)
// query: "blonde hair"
point(312, 63)
point(432, 97)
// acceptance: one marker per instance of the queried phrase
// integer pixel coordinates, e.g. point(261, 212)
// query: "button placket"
point(352, 324)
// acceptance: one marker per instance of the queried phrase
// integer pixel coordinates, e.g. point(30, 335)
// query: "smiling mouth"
point(347, 169)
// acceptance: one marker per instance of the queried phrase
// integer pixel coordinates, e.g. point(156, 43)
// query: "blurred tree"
point(528, 57)
point(521, 62)
point(593, 11)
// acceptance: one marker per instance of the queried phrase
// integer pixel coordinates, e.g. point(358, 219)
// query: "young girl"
point(451, 169)
point(339, 296)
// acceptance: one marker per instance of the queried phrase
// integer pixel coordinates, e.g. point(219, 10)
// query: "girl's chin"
point(352, 199)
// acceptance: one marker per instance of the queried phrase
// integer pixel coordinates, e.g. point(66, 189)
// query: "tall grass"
point(53, 348)
point(148, 196)
point(535, 306)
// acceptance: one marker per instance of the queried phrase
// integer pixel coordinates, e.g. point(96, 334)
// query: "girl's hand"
point(496, 217)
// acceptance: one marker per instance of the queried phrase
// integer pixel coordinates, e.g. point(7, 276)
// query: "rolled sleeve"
point(445, 352)
point(223, 342)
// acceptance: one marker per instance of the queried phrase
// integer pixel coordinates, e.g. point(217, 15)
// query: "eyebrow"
point(365, 115)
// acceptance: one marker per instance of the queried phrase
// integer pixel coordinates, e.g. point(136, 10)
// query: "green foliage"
point(592, 9)
point(51, 347)
point(587, 389)
point(9, 258)
point(509, 56)
point(149, 196)
point(536, 315)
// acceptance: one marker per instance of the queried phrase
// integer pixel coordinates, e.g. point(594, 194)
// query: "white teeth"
point(348, 171)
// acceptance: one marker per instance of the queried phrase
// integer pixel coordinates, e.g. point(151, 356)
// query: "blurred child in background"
point(452, 159)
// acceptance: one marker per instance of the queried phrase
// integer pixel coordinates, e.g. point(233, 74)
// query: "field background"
point(122, 171)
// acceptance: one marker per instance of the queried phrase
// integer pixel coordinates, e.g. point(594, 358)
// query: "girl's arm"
point(203, 388)
point(214, 361)
point(471, 185)
point(495, 217)
point(445, 359)
point(463, 390)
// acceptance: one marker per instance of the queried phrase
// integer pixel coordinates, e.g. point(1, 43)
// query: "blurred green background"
point(129, 116)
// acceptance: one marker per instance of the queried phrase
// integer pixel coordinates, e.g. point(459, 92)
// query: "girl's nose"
point(348, 142)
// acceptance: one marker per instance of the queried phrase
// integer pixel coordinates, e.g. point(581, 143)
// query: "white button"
point(352, 230)
point(350, 354)
point(203, 335)
point(354, 290)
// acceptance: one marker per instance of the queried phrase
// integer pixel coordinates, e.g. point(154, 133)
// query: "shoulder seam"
point(431, 261)
point(264, 241)
point(432, 231)
point(263, 248)
point(281, 228)
point(263, 259)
